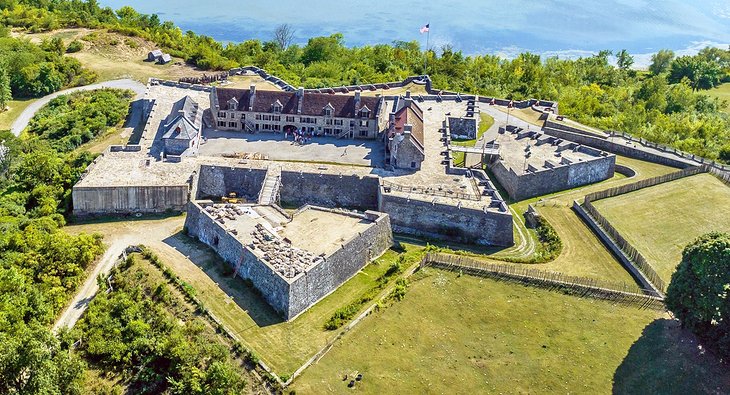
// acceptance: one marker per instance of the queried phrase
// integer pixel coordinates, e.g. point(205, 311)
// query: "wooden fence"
point(582, 286)
point(649, 182)
point(629, 250)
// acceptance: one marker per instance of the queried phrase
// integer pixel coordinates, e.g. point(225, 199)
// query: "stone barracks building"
point(322, 114)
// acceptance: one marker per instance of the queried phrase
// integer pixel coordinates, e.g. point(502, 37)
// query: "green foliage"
point(5, 92)
point(661, 61)
point(699, 293)
point(549, 240)
point(37, 70)
point(71, 120)
point(130, 330)
point(74, 46)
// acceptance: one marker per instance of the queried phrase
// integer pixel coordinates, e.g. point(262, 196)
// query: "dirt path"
point(118, 236)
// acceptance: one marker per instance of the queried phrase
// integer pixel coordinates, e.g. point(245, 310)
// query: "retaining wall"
point(338, 267)
point(329, 190)
point(447, 222)
point(217, 181)
point(559, 178)
point(129, 199)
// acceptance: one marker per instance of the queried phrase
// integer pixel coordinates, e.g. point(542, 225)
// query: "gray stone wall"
point(463, 127)
point(329, 190)
point(447, 222)
point(129, 199)
point(217, 181)
point(340, 266)
point(620, 149)
point(560, 178)
point(176, 146)
point(273, 288)
point(406, 154)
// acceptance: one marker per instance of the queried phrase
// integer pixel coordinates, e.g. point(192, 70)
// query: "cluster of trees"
point(40, 265)
point(665, 105)
point(132, 330)
point(30, 70)
point(71, 120)
point(699, 294)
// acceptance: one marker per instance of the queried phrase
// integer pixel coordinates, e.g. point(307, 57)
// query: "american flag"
point(425, 28)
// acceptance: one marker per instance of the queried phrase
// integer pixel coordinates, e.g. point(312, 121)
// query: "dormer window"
point(276, 107)
point(232, 104)
point(328, 110)
point(364, 112)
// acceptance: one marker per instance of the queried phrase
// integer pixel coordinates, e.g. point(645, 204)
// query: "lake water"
point(566, 28)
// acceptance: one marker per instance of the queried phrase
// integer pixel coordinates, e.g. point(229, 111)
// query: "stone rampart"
point(129, 199)
point(329, 190)
point(217, 181)
point(431, 219)
point(338, 267)
point(558, 178)
point(273, 288)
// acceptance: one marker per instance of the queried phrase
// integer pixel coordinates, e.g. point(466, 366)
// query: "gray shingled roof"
point(313, 104)
point(184, 121)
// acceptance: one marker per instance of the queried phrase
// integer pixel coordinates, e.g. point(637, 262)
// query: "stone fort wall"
point(201, 226)
point(447, 222)
point(129, 199)
point(291, 298)
point(338, 267)
point(217, 181)
point(559, 178)
point(329, 190)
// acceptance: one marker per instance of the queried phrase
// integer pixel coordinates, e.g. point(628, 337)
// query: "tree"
point(703, 74)
point(661, 61)
point(5, 93)
point(624, 60)
point(699, 293)
point(283, 35)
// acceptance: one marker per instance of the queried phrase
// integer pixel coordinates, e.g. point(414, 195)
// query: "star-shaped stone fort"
point(298, 189)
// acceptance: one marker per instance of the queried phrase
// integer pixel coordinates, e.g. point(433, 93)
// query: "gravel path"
point(24, 118)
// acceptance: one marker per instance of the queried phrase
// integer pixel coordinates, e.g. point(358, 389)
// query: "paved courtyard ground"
point(276, 147)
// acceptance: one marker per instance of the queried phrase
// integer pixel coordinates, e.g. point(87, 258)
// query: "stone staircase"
point(249, 126)
point(344, 133)
point(270, 190)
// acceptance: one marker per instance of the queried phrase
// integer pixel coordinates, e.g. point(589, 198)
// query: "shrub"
point(74, 46)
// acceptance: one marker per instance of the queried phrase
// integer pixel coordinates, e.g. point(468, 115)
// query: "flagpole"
point(425, 54)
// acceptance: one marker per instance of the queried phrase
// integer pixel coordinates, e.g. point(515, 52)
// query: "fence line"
point(632, 253)
point(649, 182)
point(634, 256)
point(588, 287)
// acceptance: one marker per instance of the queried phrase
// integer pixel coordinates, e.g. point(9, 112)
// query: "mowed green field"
point(483, 336)
point(661, 220)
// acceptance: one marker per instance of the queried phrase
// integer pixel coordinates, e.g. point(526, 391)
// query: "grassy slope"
point(722, 92)
point(583, 253)
point(526, 114)
point(482, 336)
point(283, 346)
point(15, 107)
point(661, 220)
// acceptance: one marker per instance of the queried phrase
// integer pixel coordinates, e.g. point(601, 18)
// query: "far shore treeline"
point(665, 104)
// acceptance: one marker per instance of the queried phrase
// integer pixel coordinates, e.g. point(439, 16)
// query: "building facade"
point(253, 111)
point(404, 147)
point(182, 128)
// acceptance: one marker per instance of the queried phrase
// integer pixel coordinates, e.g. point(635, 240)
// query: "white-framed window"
point(222, 123)
point(363, 133)
point(221, 114)
point(364, 123)
point(232, 124)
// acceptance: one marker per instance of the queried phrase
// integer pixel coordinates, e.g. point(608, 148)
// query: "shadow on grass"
point(667, 359)
point(243, 293)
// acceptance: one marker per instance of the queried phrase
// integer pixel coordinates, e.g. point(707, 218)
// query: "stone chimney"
point(408, 93)
point(300, 101)
point(391, 123)
point(357, 101)
point(407, 128)
point(252, 96)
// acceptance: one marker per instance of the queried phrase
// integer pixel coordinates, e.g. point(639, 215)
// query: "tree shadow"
point(241, 292)
point(668, 359)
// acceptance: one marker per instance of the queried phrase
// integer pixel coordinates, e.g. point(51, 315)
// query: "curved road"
point(22, 121)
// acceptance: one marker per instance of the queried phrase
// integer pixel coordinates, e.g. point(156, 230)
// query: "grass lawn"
point(526, 114)
point(485, 122)
point(583, 253)
point(722, 92)
point(283, 346)
point(483, 336)
point(661, 220)
point(15, 107)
